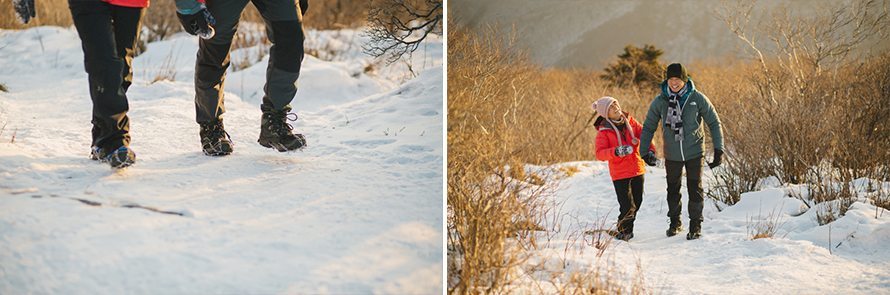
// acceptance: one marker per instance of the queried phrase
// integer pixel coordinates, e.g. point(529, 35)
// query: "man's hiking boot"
point(694, 230)
point(277, 133)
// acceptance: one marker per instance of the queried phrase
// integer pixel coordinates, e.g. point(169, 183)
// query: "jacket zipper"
point(682, 155)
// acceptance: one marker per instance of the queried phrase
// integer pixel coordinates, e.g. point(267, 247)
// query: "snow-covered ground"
point(358, 211)
point(797, 260)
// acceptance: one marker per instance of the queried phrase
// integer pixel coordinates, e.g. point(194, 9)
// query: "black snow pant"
point(630, 197)
point(108, 35)
point(285, 30)
point(693, 186)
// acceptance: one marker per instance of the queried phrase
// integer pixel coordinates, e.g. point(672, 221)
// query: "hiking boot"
point(276, 132)
point(215, 141)
point(96, 153)
point(694, 230)
point(675, 228)
point(120, 158)
point(624, 236)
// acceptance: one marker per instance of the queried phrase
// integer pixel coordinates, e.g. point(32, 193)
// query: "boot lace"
point(279, 123)
point(214, 131)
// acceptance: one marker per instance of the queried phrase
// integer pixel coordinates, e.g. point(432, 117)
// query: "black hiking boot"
point(215, 141)
point(694, 230)
point(96, 153)
point(276, 132)
point(624, 236)
point(675, 228)
point(120, 158)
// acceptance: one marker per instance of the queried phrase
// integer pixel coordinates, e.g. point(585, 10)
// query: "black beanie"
point(676, 70)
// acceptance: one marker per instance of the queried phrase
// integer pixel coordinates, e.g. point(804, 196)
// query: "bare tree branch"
point(398, 27)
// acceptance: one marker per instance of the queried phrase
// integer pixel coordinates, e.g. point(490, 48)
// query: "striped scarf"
point(675, 112)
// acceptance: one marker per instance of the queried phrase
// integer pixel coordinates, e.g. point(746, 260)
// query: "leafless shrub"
point(167, 71)
point(397, 27)
point(601, 235)
point(881, 202)
point(806, 111)
point(337, 14)
point(160, 22)
point(604, 280)
point(491, 220)
point(765, 226)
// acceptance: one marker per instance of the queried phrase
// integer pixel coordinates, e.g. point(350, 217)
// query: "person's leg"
point(674, 172)
point(210, 75)
point(636, 188)
point(284, 27)
point(696, 199)
point(213, 60)
point(127, 22)
point(285, 30)
point(93, 21)
point(622, 191)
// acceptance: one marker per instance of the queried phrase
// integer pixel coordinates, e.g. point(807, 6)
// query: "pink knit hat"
point(602, 106)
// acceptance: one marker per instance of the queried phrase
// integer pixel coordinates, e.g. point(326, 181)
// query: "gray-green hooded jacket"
point(697, 109)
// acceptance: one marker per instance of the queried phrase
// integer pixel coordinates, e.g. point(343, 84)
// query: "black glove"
point(24, 10)
point(650, 158)
point(718, 158)
point(304, 5)
point(200, 23)
point(623, 150)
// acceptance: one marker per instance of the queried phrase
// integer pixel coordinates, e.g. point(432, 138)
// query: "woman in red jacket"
point(617, 142)
point(108, 33)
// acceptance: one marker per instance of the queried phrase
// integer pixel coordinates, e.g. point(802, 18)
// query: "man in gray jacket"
point(216, 21)
point(683, 110)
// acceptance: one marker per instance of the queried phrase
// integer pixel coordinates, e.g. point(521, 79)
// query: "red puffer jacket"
point(606, 142)
point(129, 3)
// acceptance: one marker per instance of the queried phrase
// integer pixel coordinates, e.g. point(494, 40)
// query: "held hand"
point(200, 23)
point(650, 159)
point(24, 10)
point(623, 150)
point(718, 159)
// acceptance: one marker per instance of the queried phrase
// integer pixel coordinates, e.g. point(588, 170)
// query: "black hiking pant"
point(630, 196)
point(108, 35)
point(285, 30)
point(674, 171)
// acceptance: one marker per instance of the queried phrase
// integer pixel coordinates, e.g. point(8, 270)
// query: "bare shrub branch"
point(397, 27)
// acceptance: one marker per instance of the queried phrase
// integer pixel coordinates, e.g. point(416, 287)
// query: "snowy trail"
point(725, 260)
point(358, 211)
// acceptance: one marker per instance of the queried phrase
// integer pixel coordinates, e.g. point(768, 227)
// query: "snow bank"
point(725, 260)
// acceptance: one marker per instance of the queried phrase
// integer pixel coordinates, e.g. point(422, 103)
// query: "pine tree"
point(636, 67)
